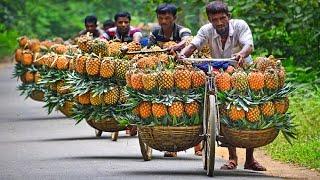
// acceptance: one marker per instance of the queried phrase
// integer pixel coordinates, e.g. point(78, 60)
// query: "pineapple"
point(149, 81)
point(198, 78)
point(81, 64)
point(267, 109)
point(111, 96)
point(84, 43)
point(146, 62)
point(67, 108)
point(19, 55)
point(23, 41)
point(263, 63)
point(93, 66)
point(223, 112)
point(27, 77)
point(114, 48)
point(61, 88)
point(239, 80)
point(253, 114)
point(132, 46)
point(182, 78)
point(159, 110)
point(256, 80)
point(62, 63)
point(163, 58)
point(166, 79)
point(281, 75)
point(176, 109)
point(235, 113)
point(121, 69)
point(27, 58)
point(46, 44)
point(281, 106)
point(271, 79)
point(192, 108)
point(84, 99)
point(60, 49)
point(128, 78)
point(168, 44)
point(136, 81)
point(107, 68)
point(223, 81)
point(122, 96)
point(100, 47)
point(96, 99)
point(34, 45)
point(145, 109)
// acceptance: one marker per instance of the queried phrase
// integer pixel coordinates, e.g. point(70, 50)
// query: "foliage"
point(304, 105)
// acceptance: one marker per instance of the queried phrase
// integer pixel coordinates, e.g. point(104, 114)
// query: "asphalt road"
point(34, 145)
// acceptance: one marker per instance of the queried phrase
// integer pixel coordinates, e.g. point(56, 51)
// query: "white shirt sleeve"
point(245, 35)
point(201, 37)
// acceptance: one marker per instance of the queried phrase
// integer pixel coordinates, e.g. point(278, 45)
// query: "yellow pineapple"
point(121, 69)
point(62, 62)
point(111, 96)
point(253, 114)
point(84, 43)
point(19, 55)
point(176, 109)
point(267, 109)
point(263, 63)
point(182, 78)
point(84, 98)
point(23, 41)
point(93, 66)
point(166, 79)
point(100, 47)
point(256, 80)
point(61, 88)
point(107, 68)
point(96, 99)
point(114, 48)
point(145, 109)
point(149, 81)
point(198, 78)
point(192, 108)
point(223, 81)
point(81, 64)
point(239, 80)
point(123, 97)
point(271, 79)
point(236, 113)
point(136, 81)
point(159, 110)
point(27, 77)
point(281, 106)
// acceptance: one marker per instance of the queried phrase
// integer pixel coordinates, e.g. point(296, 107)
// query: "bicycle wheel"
point(146, 151)
point(205, 127)
point(211, 135)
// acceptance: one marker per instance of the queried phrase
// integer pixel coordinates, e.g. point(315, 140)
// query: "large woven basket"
point(37, 95)
point(173, 139)
point(249, 138)
point(107, 125)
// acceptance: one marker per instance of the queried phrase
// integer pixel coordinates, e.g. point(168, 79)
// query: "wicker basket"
point(249, 138)
point(37, 95)
point(107, 125)
point(173, 139)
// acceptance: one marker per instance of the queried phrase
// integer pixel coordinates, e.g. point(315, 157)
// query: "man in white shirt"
point(226, 38)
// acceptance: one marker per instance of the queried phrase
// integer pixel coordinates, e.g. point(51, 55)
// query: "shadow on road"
point(217, 172)
point(39, 118)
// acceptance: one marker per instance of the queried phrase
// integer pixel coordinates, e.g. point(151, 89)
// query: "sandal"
point(170, 154)
point(229, 165)
point(255, 166)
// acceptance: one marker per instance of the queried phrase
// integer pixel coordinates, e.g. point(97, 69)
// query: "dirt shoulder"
point(7, 61)
point(274, 168)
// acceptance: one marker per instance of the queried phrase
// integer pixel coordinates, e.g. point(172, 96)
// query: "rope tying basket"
point(249, 138)
point(37, 95)
point(107, 125)
point(173, 139)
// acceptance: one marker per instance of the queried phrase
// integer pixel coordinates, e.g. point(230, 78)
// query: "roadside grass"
point(305, 106)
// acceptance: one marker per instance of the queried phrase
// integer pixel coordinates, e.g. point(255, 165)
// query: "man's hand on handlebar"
point(240, 58)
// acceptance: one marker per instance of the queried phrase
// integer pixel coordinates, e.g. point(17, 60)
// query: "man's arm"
point(246, 50)
point(187, 51)
point(137, 37)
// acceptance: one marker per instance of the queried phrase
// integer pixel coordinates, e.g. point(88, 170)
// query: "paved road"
point(34, 145)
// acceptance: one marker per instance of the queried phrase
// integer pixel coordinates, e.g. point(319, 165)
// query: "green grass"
point(8, 42)
point(305, 151)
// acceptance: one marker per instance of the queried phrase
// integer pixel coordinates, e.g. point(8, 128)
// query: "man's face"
point(220, 22)
point(90, 27)
point(123, 25)
point(166, 20)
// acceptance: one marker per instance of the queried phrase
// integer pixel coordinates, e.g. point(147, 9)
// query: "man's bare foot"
point(170, 154)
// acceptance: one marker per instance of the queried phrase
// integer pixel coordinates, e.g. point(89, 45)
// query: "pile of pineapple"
point(163, 92)
point(27, 69)
point(255, 98)
point(98, 79)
